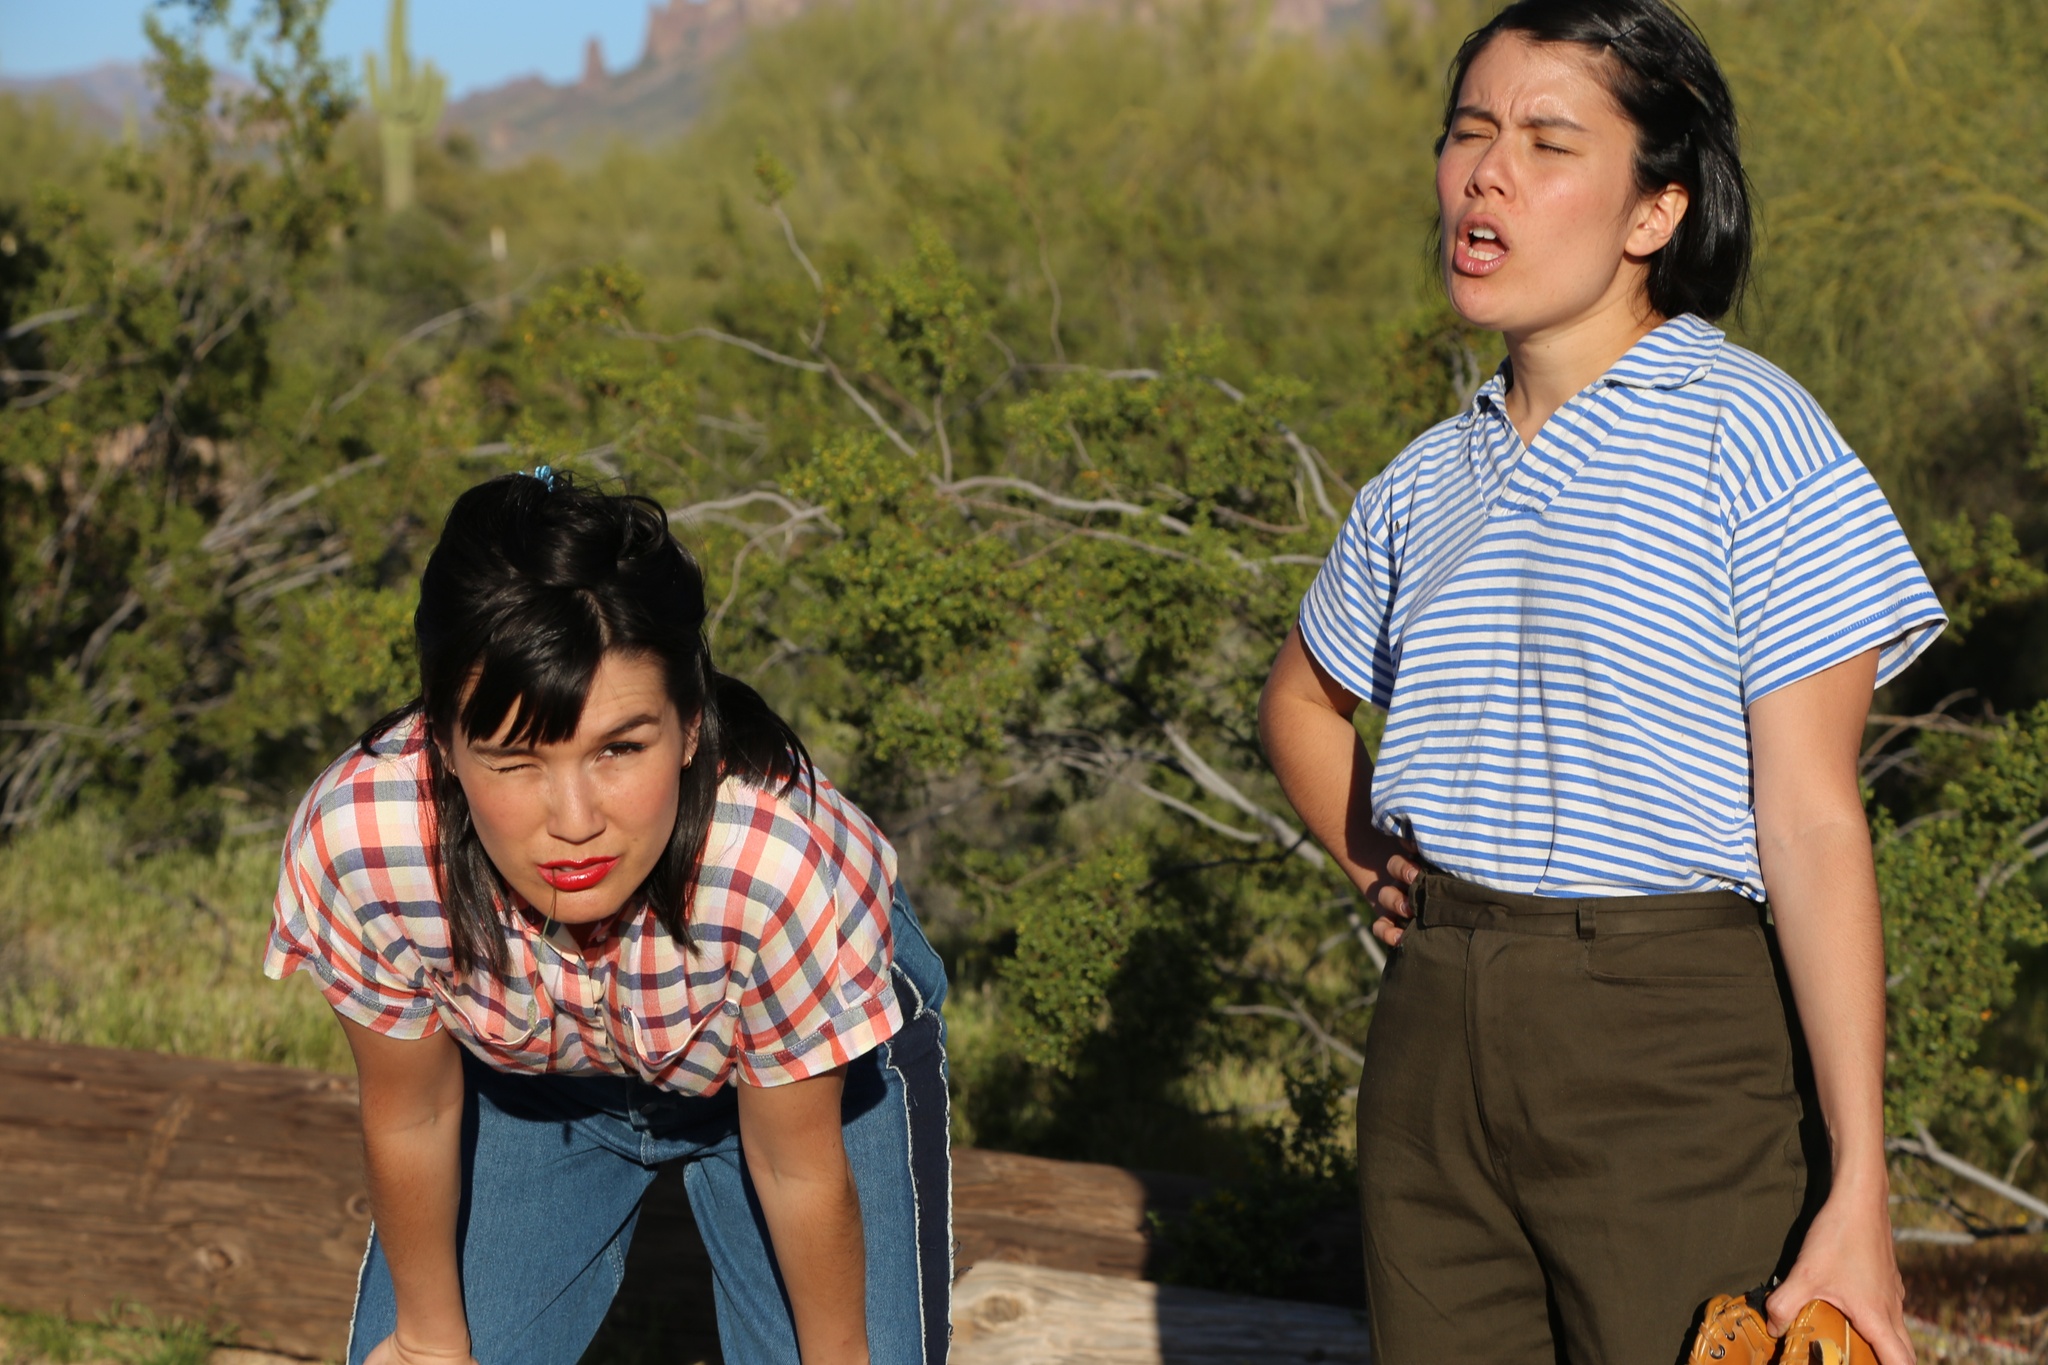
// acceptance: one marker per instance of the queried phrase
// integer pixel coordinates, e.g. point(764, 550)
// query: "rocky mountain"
point(102, 99)
point(659, 94)
point(654, 98)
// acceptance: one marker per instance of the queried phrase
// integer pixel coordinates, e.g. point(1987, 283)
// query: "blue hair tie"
point(546, 474)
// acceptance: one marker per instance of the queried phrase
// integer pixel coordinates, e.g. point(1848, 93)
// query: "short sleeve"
point(1346, 616)
point(357, 952)
point(1823, 573)
point(820, 994)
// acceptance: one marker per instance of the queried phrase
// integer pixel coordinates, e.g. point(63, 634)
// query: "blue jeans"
point(554, 1168)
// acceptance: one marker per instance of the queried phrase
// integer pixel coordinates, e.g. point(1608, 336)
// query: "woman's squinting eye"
point(620, 748)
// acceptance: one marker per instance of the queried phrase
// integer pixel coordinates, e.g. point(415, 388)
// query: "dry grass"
point(164, 953)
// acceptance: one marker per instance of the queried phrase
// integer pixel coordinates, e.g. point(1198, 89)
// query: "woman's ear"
point(1657, 220)
point(690, 735)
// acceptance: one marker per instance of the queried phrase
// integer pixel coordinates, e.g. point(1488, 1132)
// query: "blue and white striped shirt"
point(1567, 636)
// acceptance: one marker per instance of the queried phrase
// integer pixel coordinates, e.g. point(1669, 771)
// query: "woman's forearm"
point(415, 1190)
point(814, 1222)
point(795, 1149)
point(1321, 763)
point(412, 1094)
point(1813, 847)
point(1305, 729)
point(1824, 897)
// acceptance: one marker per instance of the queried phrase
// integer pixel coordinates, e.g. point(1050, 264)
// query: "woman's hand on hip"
point(393, 1351)
point(1398, 868)
point(1848, 1260)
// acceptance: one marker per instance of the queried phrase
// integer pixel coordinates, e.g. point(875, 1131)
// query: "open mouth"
point(1478, 249)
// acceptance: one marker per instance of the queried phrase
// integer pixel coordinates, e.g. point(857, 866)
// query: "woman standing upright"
point(1625, 613)
point(586, 907)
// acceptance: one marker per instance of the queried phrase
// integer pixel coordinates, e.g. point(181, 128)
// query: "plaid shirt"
point(788, 976)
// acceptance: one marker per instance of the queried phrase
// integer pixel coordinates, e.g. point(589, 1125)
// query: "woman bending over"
point(585, 907)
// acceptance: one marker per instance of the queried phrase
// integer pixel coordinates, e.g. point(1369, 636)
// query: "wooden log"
point(233, 1193)
point(1029, 1315)
point(1069, 1215)
point(196, 1189)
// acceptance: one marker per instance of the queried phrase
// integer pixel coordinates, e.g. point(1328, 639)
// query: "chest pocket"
point(510, 1029)
point(660, 1050)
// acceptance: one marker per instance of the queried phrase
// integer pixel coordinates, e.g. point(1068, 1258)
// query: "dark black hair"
point(533, 582)
point(1668, 84)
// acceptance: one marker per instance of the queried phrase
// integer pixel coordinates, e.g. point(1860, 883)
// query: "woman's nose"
point(574, 812)
point(1493, 172)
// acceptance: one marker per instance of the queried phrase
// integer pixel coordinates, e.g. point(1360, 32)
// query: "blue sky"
point(476, 42)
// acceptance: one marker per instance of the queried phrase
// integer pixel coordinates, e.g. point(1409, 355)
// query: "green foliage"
point(1936, 112)
point(1982, 567)
point(1009, 378)
point(1277, 1232)
point(1957, 896)
point(1072, 935)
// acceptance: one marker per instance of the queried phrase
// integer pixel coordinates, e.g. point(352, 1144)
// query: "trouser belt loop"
point(1588, 913)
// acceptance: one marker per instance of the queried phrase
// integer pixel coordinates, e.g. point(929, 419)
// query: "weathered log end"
point(1026, 1315)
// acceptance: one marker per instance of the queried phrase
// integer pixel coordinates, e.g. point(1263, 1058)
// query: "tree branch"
point(1308, 455)
point(45, 319)
point(725, 339)
point(421, 333)
point(789, 236)
point(1928, 1149)
point(695, 510)
point(1052, 499)
point(1296, 1013)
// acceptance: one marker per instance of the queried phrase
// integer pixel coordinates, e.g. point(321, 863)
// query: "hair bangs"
point(537, 670)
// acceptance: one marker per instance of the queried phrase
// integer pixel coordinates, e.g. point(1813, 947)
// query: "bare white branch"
point(696, 510)
point(789, 236)
point(45, 319)
point(1052, 499)
point(1296, 1013)
point(1221, 787)
point(787, 527)
point(1927, 1149)
point(724, 339)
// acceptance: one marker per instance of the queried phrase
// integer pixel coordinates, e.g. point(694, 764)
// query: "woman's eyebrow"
point(1553, 121)
point(644, 718)
point(484, 750)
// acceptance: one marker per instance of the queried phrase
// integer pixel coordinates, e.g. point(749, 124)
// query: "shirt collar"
point(1679, 352)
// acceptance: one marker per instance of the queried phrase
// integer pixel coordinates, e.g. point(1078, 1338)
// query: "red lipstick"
point(577, 876)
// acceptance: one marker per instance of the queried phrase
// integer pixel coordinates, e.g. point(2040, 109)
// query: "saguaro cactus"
point(408, 104)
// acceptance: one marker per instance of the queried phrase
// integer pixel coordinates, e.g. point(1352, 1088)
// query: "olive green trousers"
point(1578, 1121)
